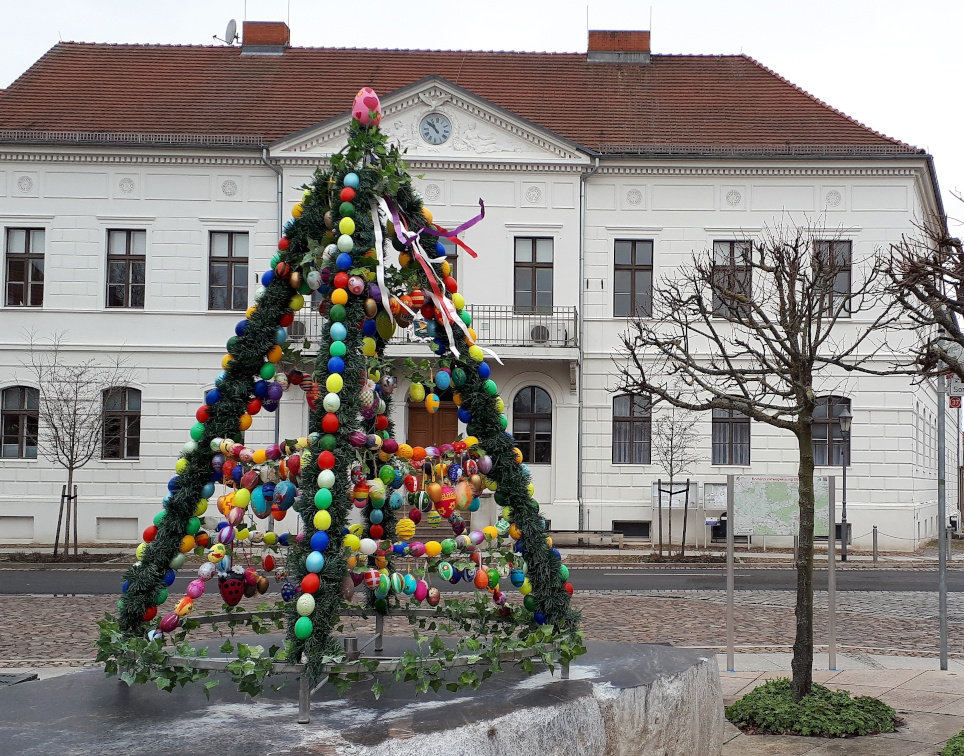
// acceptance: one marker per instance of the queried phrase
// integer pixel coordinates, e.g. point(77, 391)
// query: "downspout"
point(580, 320)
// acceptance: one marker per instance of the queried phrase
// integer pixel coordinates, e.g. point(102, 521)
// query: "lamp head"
point(846, 419)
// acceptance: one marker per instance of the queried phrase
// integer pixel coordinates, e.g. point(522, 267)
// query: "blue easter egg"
point(456, 577)
point(212, 397)
point(241, 327)
point(409, 585)
point(222, 377)
point(169, 576)
point(267, 277)
point(336, 365)
point(225, 564)
point(260, 389)
point(338, 332)
point(283, 539)
point(369, 328)
point(439, 249)
point(376, 516)
point(174, 483)
point(344, 261)
point(399, 548)
point(351, 179)
point(280, 336)
point(319, 541)
point(208, 491)
point(516, 577)
point(315, 561)
point(540, 617)
point(396, 500)
point(443, 380)
point(288, 592)
point(484, 370)
point(125, 586)
point(464, 415)
point(284, 494)
point(259, 504)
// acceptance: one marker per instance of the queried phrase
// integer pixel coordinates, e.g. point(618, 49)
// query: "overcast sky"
point(895, 66)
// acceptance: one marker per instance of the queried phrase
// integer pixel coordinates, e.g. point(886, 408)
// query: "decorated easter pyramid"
point(362, 246)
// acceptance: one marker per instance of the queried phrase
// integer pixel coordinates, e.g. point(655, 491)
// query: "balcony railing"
point(495, 325)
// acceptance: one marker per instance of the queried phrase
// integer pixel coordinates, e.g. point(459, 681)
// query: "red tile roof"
point(713, 102)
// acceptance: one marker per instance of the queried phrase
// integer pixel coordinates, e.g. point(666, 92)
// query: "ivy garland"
point(545, 627)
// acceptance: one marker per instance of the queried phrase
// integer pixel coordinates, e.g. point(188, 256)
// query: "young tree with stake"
point(676, 451)
point(764, 328)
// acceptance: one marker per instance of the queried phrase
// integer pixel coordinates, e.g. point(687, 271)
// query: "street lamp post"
point(846, 418)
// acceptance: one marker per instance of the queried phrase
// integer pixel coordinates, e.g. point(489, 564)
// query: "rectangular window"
point(533, 274)
point(122, 423)
point(834, 261)
point(451, 256)
point(633, 279)
point(20, 412)
point(632, 429)
point(228, 272)
point(829, 443)
point(126, 265)
point(731, 438)
point(732, 277)
point(25, 267)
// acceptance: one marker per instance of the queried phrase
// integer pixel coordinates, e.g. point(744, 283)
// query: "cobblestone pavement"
point(39, 631)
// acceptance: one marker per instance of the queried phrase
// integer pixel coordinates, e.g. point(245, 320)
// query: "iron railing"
point(495, 326)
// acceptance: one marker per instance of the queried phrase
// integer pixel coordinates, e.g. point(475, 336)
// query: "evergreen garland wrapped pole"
point(339, 243)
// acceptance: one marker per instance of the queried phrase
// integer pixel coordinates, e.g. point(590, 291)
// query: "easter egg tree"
point(362, 244)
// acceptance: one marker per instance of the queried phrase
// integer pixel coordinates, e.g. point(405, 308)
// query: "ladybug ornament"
point(231, 586)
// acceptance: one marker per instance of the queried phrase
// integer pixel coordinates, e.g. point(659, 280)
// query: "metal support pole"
point(843, 502)
point(304, 697)
point(942, 515)
point(730, 578)
point(832, 579)
point(796, 548)
point(565, 670)
point(875, 545)
point(379, 623)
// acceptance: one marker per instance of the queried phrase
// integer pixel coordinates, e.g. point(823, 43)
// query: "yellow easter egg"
point(334, 383)
point(259, 457)
point(530, 488)
point(445, 268)
point(458, 300)
point(180, 466)
point(490, 532)
point(201, 508)
point(369, 346)
point(322, 520)
point(352, 542)
point(249, 313)
point(514, 533)
point(476, 353)
point(346, 226)
point(427, 214)
point(297, 210)
point(416, 392)
point(471, 441)
point(225, 361)
point(526, 588)
point(243, 535)
point(339, 297)
point(141, 550)
point(244, 422)
point(433, 548)
point(270, 538)
point(297, 302)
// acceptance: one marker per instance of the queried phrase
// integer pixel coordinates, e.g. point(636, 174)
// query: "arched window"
point(632, 429)
point(122, 423)
point(20, 413)
point(828, 441)
point(532, 425)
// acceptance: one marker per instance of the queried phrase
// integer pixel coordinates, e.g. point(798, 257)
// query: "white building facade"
point(150, 243)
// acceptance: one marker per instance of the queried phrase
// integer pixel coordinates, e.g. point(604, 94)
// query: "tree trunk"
point(802, 662)
point(659, 515)
point(60, 518)
point(686, 511)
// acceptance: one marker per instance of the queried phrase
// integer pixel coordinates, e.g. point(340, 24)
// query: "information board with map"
point(767, 505)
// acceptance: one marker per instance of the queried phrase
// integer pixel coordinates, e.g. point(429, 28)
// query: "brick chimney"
point(618, 47)
point(264, 38)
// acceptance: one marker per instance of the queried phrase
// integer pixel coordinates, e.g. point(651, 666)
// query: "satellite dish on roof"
point(230, 34)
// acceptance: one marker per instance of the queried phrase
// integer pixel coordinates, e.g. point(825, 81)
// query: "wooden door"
point(432, 430)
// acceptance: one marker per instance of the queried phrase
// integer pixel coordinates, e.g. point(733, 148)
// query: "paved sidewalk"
point(930, 701)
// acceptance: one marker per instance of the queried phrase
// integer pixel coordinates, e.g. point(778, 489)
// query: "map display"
point(768, 506)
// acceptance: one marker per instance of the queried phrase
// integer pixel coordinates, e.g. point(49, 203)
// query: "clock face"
point(435, 128)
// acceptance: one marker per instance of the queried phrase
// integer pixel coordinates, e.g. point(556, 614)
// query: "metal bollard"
point(351, 648)
point(875, 545)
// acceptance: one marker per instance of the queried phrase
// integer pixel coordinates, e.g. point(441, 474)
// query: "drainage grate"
point(14, 679)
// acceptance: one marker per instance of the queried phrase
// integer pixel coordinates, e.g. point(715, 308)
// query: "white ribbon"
point(379, 252)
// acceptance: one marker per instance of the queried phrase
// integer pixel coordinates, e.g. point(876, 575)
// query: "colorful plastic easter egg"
point(444, 570)
point(421, 591)
point(366, 109)
point(433, 596)
point(405, 529)
point(409, 585)
point(306, 604)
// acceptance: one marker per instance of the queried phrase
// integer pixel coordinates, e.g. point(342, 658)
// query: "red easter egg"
point(310, 583)
point(347, 194)
point(268, 563)
point(203, 413)
point(283, 243)
point(150, 614)
point(287, 319)
point(329, 423)
point(150, 533)
point(326, 460)
point(376, 531)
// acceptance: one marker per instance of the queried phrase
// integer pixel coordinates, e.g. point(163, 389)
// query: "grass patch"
point(955, 746)
point(829, 713)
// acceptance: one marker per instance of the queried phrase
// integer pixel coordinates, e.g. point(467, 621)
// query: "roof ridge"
point(829, 107)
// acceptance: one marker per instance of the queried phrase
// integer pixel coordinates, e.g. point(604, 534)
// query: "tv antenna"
point(230, 34)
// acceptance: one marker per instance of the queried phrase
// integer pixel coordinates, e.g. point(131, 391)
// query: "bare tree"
point(71, 411)
point(675, 446)
point(926, 273)
point(763, 328)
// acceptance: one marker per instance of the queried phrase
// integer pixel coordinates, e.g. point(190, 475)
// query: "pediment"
point(481, 130)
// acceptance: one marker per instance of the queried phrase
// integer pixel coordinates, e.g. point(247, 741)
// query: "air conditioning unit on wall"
point(549, 333)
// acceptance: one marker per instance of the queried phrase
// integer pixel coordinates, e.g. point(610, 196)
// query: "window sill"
point(6, 460)
point(741, 467)
point(113, 461)
point(631, 464)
